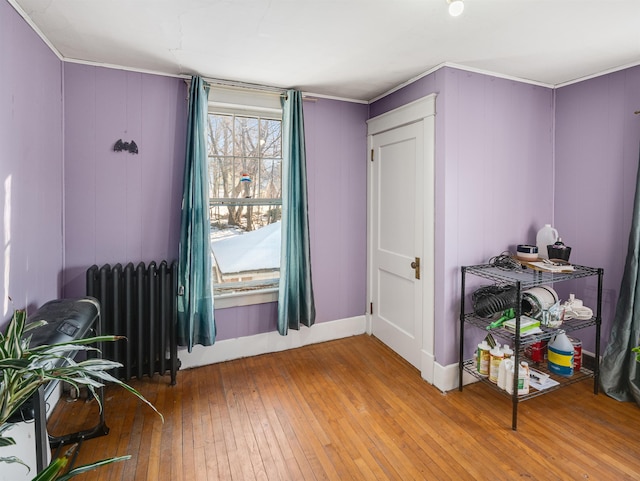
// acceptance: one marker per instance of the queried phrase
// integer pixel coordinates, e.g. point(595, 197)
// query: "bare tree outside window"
point(245, 170)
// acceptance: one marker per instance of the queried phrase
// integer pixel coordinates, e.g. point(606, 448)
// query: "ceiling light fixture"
point(456, 7)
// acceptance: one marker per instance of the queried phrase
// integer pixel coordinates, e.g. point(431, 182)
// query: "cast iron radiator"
point(139, 303)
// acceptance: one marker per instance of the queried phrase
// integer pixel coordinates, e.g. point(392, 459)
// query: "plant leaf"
point(81, 341)
point(108, 377)
point(5, 427)
point(6, 441)
point(50, 473)
point(11, 363)
point(34, 324)
point(15, 460)
point(92, 466)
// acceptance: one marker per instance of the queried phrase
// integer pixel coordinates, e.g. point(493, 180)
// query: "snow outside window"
point(245, 208)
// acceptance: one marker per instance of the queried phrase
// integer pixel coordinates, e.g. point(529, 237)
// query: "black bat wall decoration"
point(130, 147)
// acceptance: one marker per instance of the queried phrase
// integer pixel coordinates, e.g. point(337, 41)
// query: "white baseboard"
point(270, 342)
point(446, 377)
point(442, 377)
point(427, 366)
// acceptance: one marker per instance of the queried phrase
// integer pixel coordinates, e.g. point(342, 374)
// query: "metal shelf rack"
point(523, 279)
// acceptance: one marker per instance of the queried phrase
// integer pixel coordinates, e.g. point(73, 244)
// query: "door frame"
point(424, 110)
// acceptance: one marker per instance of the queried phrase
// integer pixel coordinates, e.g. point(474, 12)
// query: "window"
point(245, 208)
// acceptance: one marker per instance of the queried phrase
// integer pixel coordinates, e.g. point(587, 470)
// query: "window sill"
point(237, 299)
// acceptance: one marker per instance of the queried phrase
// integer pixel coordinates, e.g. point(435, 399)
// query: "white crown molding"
point(498, 75)
point(331, 97)
point(464, 68)
point(35, 28)
point(408, 82)
point(120, 67)
point(599, 74)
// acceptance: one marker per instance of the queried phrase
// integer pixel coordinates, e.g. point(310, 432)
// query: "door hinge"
point(371, 308)
point(371, 155)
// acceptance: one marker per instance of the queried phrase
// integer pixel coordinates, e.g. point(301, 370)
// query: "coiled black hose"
point(489, 300)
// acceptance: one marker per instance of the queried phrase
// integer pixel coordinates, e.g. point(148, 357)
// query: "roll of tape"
point(527, 249)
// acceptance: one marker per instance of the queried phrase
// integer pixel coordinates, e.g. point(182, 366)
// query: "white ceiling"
point(353, 49)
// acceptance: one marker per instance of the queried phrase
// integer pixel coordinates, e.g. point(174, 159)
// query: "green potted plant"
point(23, 369)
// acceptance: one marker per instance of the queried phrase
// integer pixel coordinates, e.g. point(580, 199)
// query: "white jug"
point(560, 352)
point(504, 371)
point(546, 236)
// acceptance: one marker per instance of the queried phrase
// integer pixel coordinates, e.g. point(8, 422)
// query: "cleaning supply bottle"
point(523, 378)
point(546, 236)
point(495, 356)
point(482, 358)
point(505, 370)
point(507, 351)
point(560, 354)
point(509, 371)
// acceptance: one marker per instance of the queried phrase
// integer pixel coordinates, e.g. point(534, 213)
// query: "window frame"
point(262, 105)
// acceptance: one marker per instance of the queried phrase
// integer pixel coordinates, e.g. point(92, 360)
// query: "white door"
point(397, 226)
point(401, 237)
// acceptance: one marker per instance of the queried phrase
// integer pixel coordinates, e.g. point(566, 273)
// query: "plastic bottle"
point(546, 236)
point(496, 355)
point(505, 370)
point(523, 378)
point(508, 382)
point(507, 351)
point(560, 354)
point(482, 358)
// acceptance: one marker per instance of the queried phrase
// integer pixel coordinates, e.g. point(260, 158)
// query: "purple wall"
point(494, 177)
point(336, 141)
point(597, 139)
point(30, 167)
point(121, 207)
point(243, 321)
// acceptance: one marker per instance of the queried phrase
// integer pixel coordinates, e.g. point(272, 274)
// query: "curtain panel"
point(196, 324)
point(619, 372)
point(295, 299)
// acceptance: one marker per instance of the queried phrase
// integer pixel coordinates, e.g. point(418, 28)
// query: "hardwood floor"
point(351, 409)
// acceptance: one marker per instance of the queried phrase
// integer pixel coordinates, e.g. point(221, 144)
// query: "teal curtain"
point(196, 323)
point(619, 372)
point(295, 301)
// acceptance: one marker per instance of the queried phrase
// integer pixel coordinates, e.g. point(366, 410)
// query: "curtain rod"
point(245, 85)
point(250, 86)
